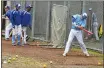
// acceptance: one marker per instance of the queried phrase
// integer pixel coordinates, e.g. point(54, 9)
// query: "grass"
point(24, 62)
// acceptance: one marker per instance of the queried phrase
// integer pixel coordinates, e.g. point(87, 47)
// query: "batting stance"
point(78, 22)
point(16, 16)
point(9, 26)
point(26, 22)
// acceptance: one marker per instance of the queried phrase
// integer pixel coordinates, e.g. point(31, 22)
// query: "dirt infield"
point(75, 57)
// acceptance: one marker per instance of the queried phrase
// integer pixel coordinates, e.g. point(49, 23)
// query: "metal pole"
point(103, 28)
point(48, 18)
point(33, 19)
point(82, 11)
point(83, 8)
point(23, 4)
point(2, 7)
point(68, 23)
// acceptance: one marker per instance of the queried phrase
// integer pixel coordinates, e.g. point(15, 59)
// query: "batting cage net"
point(58, 25)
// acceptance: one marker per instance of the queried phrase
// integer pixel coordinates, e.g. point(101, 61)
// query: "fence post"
point(83, 6)
point(33, 20)
point(103, 26)
point(48, 18)
point(68, 21)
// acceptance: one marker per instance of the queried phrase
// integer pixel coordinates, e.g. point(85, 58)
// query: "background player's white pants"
point(7, 30)
point(16, 32)
point(24, 29)
point(95, 30)
point(78, 34)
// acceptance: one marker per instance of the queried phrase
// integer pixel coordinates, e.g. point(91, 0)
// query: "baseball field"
point(37, 56)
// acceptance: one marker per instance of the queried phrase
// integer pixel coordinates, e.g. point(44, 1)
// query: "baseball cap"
point(84, 14)
point(7, 7)
point(17, 5)
point(90, 9)
point(28, 6)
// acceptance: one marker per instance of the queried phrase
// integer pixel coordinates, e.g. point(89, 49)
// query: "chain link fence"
point(42, 16)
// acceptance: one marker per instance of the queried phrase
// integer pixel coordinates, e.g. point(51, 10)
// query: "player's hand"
point(13, 26)
point(80, 27)
point(30, 27)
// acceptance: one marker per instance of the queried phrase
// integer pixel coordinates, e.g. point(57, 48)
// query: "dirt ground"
point(74, 59)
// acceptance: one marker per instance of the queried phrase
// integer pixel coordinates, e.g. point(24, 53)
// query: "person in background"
point(16, 19)
point(26, 22)
point(9, 26)
point(92, 25)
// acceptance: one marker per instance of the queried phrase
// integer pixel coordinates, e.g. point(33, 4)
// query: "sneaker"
point(13, 44)
point(64, 54)
point(22, 45)
point(27, 38)
point(86, 53)
point(7, 39)
point(18, 43)
point(22, 42)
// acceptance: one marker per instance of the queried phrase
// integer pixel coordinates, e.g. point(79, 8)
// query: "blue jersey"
point(16, 15)
point(26, 18)
point(9, 15)
point(79, 21)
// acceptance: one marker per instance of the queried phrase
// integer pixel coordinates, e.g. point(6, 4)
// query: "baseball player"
point(9, 26)
point(78, 22)
point(94, 24)
point(16, 18)
point(26, 22)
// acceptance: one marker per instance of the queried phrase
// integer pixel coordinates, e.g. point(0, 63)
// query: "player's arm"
point(30, 20)
point(73, 21)
point(5, 16)
point(13, 18)
point(22, 16)
point(82, 25)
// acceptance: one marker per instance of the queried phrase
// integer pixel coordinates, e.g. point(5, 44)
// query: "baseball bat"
point(89, 33)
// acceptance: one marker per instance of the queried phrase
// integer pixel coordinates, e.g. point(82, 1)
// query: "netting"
point(58, 25)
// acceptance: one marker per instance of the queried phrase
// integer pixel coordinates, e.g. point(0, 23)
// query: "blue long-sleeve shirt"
point(78, 21)
point(9, 15)
point(16, 17)
point(26, 18)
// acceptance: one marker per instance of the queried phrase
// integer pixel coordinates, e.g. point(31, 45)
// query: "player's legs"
point(19, 30)
point(80, 40)
point(7, 30)
point(24, 32)
point(95, 27)
point(14, 34)
point(68, 44)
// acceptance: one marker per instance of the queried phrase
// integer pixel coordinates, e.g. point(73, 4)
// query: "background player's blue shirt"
point(80, 22)
point(9, 15)
point(16, 15)
point(26, 18)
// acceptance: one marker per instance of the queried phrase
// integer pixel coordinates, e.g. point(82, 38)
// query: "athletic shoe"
point(86, 53)
point(19, 44)
point(27, 38)
point(64, 54)
point(7, 39)
point(13, 44)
